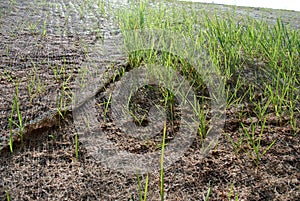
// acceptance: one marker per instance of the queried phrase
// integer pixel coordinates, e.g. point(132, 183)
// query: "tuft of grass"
point(254, 142)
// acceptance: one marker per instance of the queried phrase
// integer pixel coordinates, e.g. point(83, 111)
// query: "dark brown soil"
point(44, 166)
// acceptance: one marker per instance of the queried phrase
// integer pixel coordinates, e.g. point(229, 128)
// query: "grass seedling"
point(106, 106)
point(12, 2)
point(203, 123)
point(34, 85)
point(137, 118)
point(7, 195)
point(44, 28)
point(65, 95)
point(143, 194)
point(162, 178)
point(253, 142)
point(52, 136)
point(76, 146)
point(19, 123)
point(99, 7)
point(293, 119)
point(236, 144)
point(206, 198)
point(231, 193)
point(232, 95)
point(10, 123)
point(169, 103)
point(141, 14)
point(33, 27)
point(261, 109)
point(56, 72)
point(82, 11)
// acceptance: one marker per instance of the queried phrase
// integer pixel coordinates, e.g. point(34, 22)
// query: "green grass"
point(259, 62)
point(235, 45)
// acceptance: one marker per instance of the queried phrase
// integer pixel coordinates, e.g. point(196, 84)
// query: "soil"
point(44, 166)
